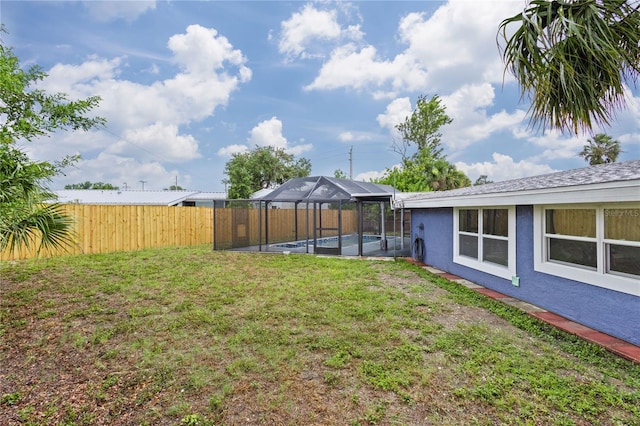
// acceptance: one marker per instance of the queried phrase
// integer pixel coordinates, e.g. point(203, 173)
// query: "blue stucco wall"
point(611, 312)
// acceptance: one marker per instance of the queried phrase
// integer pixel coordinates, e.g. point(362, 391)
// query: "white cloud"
point(298, 150)
point(147, 118)
point(353, 136)
point(230, 150)
point(158, 142)
point(269, 133)
point(68, 143)
point(112, 10)
point(455, 45)
point(369, 176)
point(360, 69)
point(305, 25)
point(310, 25)
point(266, 133)
point(395, 113)
point(452, 52)
point(557, 146)
point(468, 107)
point(200, 51)
point(204, 84)
point(503, 168)
point(78, 80)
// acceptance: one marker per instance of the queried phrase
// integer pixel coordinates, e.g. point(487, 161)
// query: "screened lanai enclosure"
point(320, 215)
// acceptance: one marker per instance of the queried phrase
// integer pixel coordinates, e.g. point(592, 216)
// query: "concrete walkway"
point(613, 344)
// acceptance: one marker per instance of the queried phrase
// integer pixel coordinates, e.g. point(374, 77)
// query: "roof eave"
point(621, 191)
point(372, 194)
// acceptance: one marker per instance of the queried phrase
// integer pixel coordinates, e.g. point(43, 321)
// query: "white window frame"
point(600, 277)
point(506, 272)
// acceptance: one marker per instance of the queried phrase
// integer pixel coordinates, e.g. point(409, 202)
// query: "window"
point(485, 239)
point(622, 241)
point(599, 245)
point(571, 237)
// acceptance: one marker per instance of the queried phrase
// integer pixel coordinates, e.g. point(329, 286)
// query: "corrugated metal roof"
point(207, 196)
point(135, 198)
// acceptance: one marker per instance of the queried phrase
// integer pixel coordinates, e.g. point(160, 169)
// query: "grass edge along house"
point(568, 242)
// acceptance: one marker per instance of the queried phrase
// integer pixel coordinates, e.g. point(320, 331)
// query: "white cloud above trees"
point(266, 133)
point(303, 35)
point(502, 168)
point(148, 121)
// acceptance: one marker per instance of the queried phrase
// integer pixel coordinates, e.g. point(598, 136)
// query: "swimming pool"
point(347, 241)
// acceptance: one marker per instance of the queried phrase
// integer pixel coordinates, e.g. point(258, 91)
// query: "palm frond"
point(28, 224)
point(573, 59)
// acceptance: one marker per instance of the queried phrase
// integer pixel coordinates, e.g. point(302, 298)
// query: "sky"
point(186, 84)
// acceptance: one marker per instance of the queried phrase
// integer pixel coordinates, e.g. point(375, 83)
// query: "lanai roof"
point(323, 188)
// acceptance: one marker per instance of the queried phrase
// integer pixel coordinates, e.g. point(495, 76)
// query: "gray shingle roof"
point(602, 173)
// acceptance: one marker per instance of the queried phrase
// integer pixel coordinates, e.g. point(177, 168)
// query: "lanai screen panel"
point(237, 225)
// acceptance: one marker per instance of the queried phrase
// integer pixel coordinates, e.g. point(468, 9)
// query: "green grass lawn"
point(194, 337)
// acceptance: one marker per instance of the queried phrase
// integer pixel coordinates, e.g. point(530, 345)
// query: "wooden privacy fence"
point(106, 228)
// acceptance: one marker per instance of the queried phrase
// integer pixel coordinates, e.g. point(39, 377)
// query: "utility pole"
point(143, 182)
point(351, 163)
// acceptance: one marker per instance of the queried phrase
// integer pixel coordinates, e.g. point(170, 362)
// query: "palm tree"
point(444, 176)
point(574, 59)
point(602, 149)
point(27, 214)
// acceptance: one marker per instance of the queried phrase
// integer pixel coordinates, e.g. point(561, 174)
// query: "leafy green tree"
point(600, 150)
point(482, 180)
point(423, 173)
point(427, 169)
point(174, 188)
point(574, 58)
point(27, 215)
point(422, 127)
point(339, 174)
point(262, 167)
point(91, 185)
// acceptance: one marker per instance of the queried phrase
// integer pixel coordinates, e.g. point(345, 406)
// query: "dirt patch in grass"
point(192, 337)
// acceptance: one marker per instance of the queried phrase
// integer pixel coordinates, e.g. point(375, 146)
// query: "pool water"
point(347, 240)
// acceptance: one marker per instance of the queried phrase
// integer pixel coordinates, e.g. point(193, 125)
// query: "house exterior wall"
point(608, 311)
